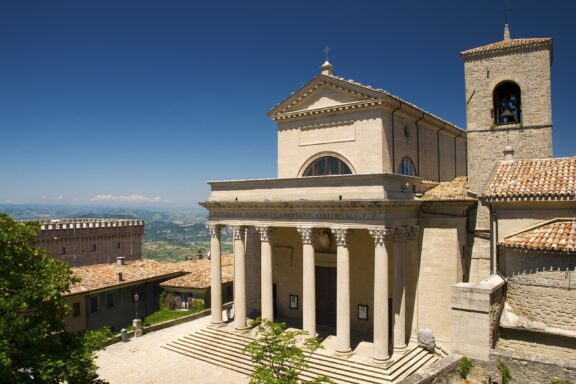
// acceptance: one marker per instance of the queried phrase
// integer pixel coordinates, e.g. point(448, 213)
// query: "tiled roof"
point(100, 276)
point(507, 45)
point(199, 276)
point(553, 235)
point(456, 189)
point(533, 179)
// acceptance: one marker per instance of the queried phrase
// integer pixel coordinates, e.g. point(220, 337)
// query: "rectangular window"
point(63, 251)
point(118, 245)
point(76, 310)
point(93, 247)
point(94, 304)
point(109, 300)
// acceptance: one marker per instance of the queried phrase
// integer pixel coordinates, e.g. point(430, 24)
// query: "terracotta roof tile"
point(553, 235)
point(507, 45)
point(545, 178)
point(99, 276)
point(199, 276)
point(456, 189)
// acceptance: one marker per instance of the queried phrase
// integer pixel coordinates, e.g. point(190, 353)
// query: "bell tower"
point(508, 104)
point(508, 115)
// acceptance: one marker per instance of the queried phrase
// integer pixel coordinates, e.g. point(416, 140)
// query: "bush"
point(465, 366)
point(504, 372)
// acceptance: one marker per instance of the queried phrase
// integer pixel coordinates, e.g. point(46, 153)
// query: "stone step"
point(225, 347)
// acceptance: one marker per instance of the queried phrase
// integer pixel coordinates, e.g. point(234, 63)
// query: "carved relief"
point(341, 236)
point(381, 235)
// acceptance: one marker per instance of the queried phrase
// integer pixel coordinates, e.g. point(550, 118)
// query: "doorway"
point(326, 296)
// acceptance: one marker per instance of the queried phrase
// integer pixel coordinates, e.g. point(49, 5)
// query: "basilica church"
point(386, 219)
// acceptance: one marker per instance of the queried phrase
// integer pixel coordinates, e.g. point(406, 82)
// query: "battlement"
point(58, 224)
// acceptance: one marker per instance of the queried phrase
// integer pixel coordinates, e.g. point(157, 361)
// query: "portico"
point(366, 242)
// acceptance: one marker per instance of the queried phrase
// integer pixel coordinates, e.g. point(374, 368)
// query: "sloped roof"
point(537, 179)
point(200, 275)
point(101, 276)
point(553, 235)
point(372, 97)
point(456, 189)
point(510, 44)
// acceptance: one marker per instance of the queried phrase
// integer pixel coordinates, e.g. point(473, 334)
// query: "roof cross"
point(326, 50)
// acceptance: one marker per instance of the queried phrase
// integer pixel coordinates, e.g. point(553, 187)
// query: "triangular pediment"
point(323, 92)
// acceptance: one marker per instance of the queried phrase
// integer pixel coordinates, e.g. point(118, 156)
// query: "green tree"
point(277, 357)
point(34, 346)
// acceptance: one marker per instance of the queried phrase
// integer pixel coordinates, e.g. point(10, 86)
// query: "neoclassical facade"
point(340, 240)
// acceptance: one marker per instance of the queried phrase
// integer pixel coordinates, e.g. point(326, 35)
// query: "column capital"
point(238, 232)
point(341, 236)
point(214, 229)
point(307, 234)
point(381, 235)
point(265, 232)
point(413, 232)
point(400, 233)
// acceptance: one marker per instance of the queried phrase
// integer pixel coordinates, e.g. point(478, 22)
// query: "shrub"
point(465, 366)
point(504, 372)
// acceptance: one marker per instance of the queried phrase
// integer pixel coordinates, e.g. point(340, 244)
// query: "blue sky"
point(145, 101)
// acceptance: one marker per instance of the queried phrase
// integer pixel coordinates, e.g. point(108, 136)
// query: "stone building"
point(81, 242)
point(371, 233)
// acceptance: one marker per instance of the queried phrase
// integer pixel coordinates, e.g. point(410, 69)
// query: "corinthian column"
point(400, 288)
point(216, 274)
point(239, 235)
point(342, 290)
point(381, 338)
point(309, 281)
point(266, 272)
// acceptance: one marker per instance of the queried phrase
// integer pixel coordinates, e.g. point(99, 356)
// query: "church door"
point(326, 296)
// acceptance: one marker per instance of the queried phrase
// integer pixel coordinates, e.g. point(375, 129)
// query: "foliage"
point(165, 314)
point(504, 372)
point(465, 366)
point(34, 346)
point(560, 382)
point(277, 357)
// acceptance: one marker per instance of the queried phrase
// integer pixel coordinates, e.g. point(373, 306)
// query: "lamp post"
point(137, 323)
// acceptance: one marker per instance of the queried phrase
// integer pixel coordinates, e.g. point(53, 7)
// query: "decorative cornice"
point(381, 235)
point(265, 232)
point(341, 236)
point(307, 234)
point(214, 229)
point(238, 232)
point(321, 111)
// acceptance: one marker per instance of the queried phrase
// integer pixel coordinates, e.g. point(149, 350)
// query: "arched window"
point(507, 103)
point(327, 165)
point(407, 167)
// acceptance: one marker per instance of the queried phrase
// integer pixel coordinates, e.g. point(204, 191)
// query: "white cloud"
point(126, 199)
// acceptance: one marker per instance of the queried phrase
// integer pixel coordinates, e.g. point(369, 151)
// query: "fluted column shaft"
point(309, 282)
point(216, 274)
point(239, 236)
point(342, 290)
point(266, 272)
point(381, 337)
point(400, 288)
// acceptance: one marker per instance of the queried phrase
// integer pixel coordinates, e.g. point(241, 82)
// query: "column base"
point(347, 353)
point(382, 361)
point(220, 324)
point(401, 350)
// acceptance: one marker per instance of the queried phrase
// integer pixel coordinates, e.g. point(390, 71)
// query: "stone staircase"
point(224, 348)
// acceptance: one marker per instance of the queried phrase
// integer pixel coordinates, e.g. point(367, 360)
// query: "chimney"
point(120, 260)
point(119, 277)
point(508, 153)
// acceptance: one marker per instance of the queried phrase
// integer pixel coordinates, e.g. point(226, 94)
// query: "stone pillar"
point(381, 338)
point(239, 235)
point(309, 281)
point(400, 288)
point(266, 272)
point(216, 274)
point(342, 291)
point(412, 274)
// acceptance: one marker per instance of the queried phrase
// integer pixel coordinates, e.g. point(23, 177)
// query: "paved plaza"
point(143, 360)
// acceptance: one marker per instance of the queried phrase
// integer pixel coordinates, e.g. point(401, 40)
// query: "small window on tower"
point(507, 103)
point(63, 251)
point(118, 245)
point(93, 247)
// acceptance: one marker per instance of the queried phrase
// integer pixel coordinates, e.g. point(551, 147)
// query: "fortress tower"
point(508, 108)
